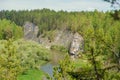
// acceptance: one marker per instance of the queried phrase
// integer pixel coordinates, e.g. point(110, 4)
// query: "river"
point(47, 68)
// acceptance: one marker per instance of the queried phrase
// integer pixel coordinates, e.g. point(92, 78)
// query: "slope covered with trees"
point(50, 20)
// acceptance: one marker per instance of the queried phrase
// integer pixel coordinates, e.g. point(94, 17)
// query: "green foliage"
point(102, 50)
point(101, 33)
point(18, 56)
point(58, 48)
point(49, 20)
point(9, 30)
point(112, 75)
point(50, 35)
point(31, 75)
point(61, 72)
point(10, 65)
point(32, 53)
point(99, 42)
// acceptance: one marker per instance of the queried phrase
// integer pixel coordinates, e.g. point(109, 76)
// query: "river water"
point(48, 68)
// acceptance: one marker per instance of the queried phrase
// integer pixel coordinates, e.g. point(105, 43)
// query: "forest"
point(21, 59)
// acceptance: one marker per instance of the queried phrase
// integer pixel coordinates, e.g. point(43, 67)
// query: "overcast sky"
point(67, 5)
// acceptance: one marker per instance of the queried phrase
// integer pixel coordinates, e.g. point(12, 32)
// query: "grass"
point(32, 75)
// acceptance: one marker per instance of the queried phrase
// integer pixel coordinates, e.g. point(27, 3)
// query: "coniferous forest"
point(21, 59)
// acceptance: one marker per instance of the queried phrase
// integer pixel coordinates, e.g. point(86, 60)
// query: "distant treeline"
point(48, 19)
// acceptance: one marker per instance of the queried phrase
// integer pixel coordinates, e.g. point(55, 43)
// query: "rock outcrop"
point(74, 42)
point(61, 38)
point(30, 31)
point(76, 46)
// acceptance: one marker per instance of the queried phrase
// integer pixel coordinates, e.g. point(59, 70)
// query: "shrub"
point(18, 56)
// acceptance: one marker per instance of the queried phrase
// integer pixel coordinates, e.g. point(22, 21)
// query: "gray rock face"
point(76, 45)
point(62, 38)
point(74, 42)
point(30, 31)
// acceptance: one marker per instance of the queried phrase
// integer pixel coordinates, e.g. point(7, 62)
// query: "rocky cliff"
point(73, 41)
point(30, 31)
point(77, 45)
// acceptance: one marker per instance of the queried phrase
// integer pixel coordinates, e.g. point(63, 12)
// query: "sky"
point(66, 5)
